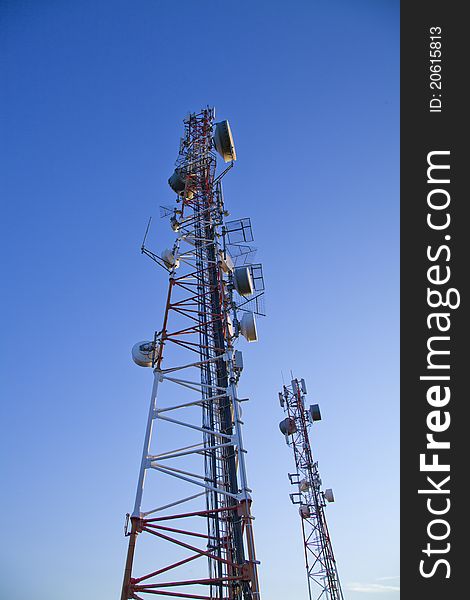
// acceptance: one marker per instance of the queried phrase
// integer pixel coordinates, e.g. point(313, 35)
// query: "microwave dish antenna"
point(243, 281)
point(223, 141)
point(143, 353)
point(248, 327)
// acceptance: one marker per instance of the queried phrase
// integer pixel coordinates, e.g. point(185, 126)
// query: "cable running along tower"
point(322, 574)
point(194, 532)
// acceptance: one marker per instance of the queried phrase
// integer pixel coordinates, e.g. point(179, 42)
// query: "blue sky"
point(93, 97)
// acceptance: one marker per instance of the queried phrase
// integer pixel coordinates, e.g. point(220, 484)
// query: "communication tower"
point(322, 574)
point(195, 528)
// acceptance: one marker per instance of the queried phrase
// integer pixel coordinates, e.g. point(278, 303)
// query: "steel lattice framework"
point(206, 549)
point(322, 573)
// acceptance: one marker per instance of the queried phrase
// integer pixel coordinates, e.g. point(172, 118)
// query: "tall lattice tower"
point(195, 532)
point(322, 573)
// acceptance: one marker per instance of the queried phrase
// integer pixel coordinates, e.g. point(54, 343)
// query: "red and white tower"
point(191, 533)
point(322, 574)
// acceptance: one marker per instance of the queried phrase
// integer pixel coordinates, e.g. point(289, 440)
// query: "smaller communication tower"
point(322, 574)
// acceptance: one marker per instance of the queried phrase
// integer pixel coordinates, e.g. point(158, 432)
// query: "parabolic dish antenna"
point(143, 353)
point(223, 141)
point(177, 182)
point(329, 495)
point(243, 281)
point(230, 329)
point(248, 327)
point(288, 426)
point(169, 259)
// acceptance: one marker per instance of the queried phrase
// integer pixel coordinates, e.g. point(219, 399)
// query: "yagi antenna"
point(146, 233)
point(165, 211)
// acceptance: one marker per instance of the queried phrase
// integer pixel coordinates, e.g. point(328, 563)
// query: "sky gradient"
point(92, 101)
